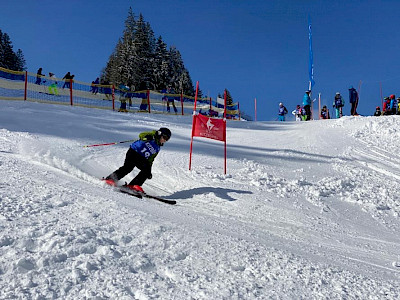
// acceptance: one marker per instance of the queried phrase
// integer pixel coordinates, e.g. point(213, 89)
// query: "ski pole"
point(108, 144)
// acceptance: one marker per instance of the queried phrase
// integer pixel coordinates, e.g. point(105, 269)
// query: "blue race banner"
point(310, 62)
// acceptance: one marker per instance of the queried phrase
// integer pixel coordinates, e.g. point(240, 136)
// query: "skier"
point(39, 76)
point(307, 105)
point(377, 112)
point(53, 85)
point(298, 113)
point(338, 104)
point(398, 105)
point(282, 112)
point(141, 154)
point(353, 99)
point(393, 104)
point(325, 113)
point(386, 106)
point(67, 80)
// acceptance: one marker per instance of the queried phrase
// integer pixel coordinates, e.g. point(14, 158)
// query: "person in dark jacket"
point(141, 154)
point(377, 112)
point(282, 112)
point(353, 99)
point(338, 104)
point(67, 80)
point(39, 76)
point(325, 113)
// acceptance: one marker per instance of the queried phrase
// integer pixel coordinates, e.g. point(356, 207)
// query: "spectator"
point(298, 113)
point(122, 107)
point(53, 85)
point(307, 105)
point(39, 76)
point(398, 105)
point(95, 86)
point(353, 99)
point(386, 106)
point(106, 89)
point(393, 105)
point(67, 80)
point(282, 112)
point(338, 104)
point(325, 113)
point(172, 101)
point(377, 112)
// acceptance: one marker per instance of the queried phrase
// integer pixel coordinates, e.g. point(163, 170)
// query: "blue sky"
point(255, 49)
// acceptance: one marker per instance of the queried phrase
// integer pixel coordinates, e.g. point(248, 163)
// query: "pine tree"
point(21, 63)
point(141, 61)
point(161, 65)
point(179, 78)
point(229, 99)
point(8, 58)
point(144, 45)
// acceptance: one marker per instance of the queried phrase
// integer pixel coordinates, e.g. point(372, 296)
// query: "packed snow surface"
point(307, 210)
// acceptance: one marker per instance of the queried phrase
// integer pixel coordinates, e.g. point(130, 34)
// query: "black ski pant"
point(132, 160)
point(307, 109)
point(354, 109)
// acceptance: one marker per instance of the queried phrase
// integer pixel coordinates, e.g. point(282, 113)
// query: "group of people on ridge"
point(303, 113)
point(391, 106)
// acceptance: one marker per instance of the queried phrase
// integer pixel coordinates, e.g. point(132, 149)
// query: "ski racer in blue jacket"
point(338, 104)
point(282, 112)
point(307, 105)
point(141, 154)
point(393, 104)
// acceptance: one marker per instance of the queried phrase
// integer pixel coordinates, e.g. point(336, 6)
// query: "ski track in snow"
point(292, 219)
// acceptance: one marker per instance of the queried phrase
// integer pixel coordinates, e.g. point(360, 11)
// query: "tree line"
point(8, 58)
point(140, 61)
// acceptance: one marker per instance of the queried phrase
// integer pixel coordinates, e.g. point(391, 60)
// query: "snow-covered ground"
point(307, 210)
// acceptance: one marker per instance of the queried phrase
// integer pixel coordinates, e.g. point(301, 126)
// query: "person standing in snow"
point(338, 104)
point(398, 105)
point(53, 85)
point(298, 113)
point(377, 112)
point(307, 105)
point(353, 99)
point(325, 113)
point(95, 86)
point(67, 80)
point(282, 112)
point(386, 106)
point(39, 76)
point(393, 104)
point(141, 154)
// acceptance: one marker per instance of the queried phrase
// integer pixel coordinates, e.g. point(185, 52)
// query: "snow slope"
point(308, 210)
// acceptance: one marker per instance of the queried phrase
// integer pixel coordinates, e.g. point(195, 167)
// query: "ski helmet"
point(165, 132)
point(280, 104)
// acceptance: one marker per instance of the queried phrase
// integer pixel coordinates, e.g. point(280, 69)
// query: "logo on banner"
point(209, 128)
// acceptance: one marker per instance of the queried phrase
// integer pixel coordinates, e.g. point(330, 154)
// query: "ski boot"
point(136, 188)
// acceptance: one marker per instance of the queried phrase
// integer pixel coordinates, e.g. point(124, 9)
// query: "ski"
point(126, 190)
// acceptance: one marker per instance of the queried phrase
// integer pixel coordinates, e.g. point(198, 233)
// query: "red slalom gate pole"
point(193, 125)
